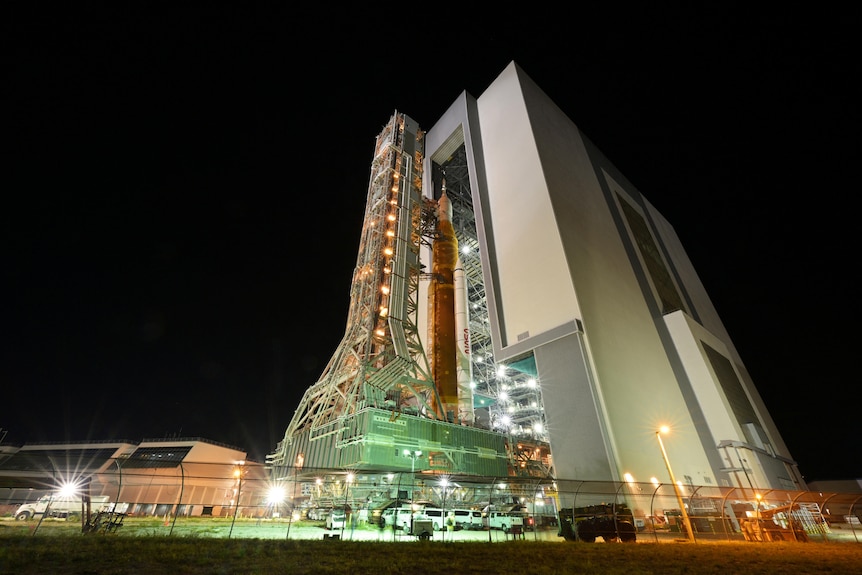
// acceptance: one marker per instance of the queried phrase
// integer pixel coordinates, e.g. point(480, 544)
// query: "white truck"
point(504, 520)
point(60, 506)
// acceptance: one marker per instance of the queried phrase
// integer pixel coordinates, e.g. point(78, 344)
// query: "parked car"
point(336, 518)
point(527, 520)
point(59, 505)
point(504, 521)
point(437, 517)
point(396, 516)
point(468, 519)
point(400, 517)
point(317, 513)
point(460, 518)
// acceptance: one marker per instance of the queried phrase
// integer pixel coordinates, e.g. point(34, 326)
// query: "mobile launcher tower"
point(392, 385)
point(520, 308)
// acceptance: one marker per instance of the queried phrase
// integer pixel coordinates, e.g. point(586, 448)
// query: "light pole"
point(413, 455)
point(179, 503)
point(685, 519)
point(347, 481)
point(444, 483)
point(237, 472)
point(759, 523)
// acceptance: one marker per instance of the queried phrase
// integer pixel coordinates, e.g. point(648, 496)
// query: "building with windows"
point(182, 476)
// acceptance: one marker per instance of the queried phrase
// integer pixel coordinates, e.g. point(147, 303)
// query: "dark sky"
point(185, 187)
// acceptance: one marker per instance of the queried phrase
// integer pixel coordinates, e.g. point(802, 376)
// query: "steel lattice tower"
point(376, 395)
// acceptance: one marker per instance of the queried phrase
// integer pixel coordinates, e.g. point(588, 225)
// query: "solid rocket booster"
point(466, 411)
point(444, 363)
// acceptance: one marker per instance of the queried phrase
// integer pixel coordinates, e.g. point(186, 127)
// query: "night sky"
point(184, 192)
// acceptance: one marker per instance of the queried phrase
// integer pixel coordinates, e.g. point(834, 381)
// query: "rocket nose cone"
point(444, 208)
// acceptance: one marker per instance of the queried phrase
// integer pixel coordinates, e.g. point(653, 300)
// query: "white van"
point(461, 518)
point(60, 506)
point(336, 518)
point(468, 519)
point(437, 517)
point(397, 516)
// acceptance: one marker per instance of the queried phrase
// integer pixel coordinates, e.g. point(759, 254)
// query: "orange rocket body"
point(444, 363)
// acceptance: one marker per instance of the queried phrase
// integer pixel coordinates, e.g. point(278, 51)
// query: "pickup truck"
point(503, 520)
point(60, 506)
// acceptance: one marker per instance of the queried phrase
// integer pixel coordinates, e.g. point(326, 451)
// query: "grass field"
point(220, 546)
point(109, 555)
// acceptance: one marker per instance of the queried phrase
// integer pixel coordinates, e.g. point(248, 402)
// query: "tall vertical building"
point(580, 325)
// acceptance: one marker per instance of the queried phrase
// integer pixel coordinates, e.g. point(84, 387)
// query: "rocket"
point(444, 362)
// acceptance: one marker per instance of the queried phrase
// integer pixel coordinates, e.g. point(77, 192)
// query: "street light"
point(413, 455)
point(685, 519)
point(444, 483)
point(759, 523)
point(347, 481)
point(238, 473)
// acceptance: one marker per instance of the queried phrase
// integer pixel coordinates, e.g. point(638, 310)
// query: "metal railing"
point(254, 493)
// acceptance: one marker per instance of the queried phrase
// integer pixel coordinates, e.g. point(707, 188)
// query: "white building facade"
point(589, 326)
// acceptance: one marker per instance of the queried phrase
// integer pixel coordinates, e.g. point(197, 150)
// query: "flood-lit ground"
point(224, 527)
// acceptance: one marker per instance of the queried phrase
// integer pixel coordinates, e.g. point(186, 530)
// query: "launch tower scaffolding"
point(376, 399)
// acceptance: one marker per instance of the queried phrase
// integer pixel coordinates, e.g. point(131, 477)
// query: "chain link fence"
point(248, 493)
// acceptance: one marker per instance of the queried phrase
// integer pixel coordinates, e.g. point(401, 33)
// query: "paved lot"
point(305, 530)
